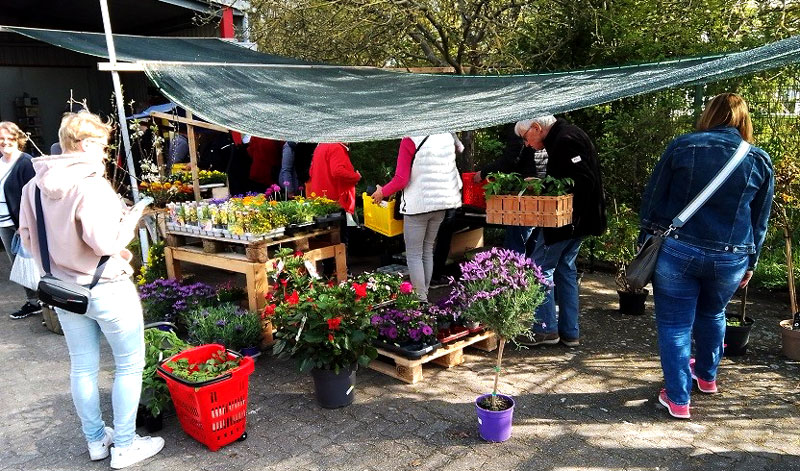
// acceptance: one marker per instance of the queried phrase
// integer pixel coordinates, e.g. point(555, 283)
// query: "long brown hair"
point(727, 109)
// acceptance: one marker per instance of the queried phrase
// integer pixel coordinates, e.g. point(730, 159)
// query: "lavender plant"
point(169, 300)
point(501, 289)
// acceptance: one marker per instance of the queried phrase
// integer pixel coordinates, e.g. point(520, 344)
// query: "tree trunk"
point(497, 371)
point(787, 235)
point(467, 160)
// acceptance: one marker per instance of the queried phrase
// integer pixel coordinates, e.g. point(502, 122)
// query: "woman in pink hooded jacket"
point(85, 220)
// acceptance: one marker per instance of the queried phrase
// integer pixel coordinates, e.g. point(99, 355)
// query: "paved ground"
point(588, 408)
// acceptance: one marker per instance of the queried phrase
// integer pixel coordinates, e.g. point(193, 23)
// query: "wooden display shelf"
point(449, 355)
point(314, 246)
point(257, 250)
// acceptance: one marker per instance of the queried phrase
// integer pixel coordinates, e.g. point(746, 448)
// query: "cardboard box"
point(465, 240)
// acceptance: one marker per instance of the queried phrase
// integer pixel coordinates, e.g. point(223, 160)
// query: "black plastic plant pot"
point(410, 351)
point(333, 217)
point(150, 423)
point(632, 303)
point(737, 338)
point(334, 390)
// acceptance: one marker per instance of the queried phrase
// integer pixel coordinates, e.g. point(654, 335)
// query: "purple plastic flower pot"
point(495, 426)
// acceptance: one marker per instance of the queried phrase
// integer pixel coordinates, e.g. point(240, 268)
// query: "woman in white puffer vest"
point(427, 174)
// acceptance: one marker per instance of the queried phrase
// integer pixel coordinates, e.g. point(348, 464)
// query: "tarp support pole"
point(193, 157)
point(123, 123)
point(698, 100)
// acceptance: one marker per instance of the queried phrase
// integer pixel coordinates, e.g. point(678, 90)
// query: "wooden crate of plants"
point(537, 211)
point(448, 356)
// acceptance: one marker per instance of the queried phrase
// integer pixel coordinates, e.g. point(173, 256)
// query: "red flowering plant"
point(323, 325)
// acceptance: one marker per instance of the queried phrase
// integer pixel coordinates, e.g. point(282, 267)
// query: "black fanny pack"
point(69, 296)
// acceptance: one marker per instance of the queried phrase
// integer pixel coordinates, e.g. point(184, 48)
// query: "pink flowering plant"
point(501, 289)
point(381, 289)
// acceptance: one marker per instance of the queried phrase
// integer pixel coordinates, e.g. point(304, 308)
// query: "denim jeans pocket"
point(672, 263)
point(731, 268)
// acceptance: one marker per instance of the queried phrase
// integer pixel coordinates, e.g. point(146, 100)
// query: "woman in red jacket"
point(333, 176)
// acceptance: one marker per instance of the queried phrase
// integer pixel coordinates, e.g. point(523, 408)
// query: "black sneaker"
point(538, 339)
point(27, 309)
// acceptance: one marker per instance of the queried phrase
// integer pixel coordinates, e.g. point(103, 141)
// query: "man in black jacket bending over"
point(571, 155)
point(527, 162)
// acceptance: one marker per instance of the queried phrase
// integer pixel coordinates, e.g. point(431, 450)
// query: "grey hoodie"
point(84, 218)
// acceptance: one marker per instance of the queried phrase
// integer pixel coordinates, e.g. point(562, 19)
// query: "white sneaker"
point(141, 449)
point(98, 450)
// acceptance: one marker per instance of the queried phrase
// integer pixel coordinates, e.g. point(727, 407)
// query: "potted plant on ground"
point(227, 324)
point(785, 208)
point(618, 245)
point(737, 330)
point(501, 289)
point(158, 346)
point(325, 326)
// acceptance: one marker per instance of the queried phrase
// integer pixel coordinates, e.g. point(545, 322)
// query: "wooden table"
point(257, 285)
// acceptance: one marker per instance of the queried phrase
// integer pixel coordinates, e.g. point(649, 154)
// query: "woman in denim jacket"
point(701, 265)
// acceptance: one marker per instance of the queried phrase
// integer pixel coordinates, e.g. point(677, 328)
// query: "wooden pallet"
point(448, 356)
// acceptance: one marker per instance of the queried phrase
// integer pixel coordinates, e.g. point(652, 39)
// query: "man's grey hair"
point(544, 121)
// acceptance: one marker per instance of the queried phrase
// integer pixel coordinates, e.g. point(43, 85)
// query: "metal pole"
point(698, 100)
point(123, 126)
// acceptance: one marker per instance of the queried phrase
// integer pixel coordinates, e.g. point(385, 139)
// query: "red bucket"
point(473, 193)
point(213, 412)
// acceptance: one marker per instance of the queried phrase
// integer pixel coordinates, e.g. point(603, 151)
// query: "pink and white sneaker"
point(708, 387)
point(679, 412)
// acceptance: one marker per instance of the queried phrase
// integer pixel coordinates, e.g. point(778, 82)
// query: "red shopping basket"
point(213, 412)
point(473, 193)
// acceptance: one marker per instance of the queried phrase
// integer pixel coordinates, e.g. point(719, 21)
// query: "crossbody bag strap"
point(411, 166)
point(44, 250)
point(711, 187)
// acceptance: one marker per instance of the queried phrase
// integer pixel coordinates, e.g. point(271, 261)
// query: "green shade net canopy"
point(279, 98)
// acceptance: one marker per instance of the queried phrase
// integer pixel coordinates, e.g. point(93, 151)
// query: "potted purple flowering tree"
point(409, 332)
point(501, 289)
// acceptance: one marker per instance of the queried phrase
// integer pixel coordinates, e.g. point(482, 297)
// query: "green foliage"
point(489, 146)
point(156, 267)
point(376, 160)
point(513, 184)
point(618, 243)
point(158, 346)
point(226, 324)
point(214, 367)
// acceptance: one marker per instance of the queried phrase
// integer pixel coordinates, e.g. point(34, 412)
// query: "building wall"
point(52, 86)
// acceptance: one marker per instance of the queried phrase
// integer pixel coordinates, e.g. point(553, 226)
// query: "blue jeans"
point(691, 287)
point(114, 311)
point(558, 266)
point(517, 239)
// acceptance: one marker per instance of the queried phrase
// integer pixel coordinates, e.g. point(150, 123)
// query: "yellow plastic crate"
point(380, 217)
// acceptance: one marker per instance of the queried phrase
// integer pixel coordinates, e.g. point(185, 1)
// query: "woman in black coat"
point(16, 169)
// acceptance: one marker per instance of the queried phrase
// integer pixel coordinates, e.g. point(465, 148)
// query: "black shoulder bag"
point(399, 199)
point(641, 269)
point(71, 297)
